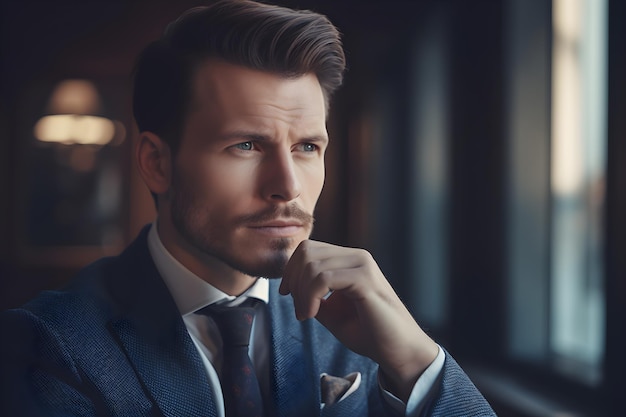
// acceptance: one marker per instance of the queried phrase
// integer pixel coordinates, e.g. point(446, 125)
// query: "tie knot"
point(234, 323)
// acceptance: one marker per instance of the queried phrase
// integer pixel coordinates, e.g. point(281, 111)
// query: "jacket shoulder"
point(102, 289)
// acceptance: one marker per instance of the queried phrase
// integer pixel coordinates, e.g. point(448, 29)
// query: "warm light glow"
point(567, 19)
point(75, 97)
point(72, 128)
point(120, 133)
point(567, 140)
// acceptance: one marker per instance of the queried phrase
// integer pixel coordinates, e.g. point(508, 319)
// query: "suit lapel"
point(155, 339)
point(293, 371)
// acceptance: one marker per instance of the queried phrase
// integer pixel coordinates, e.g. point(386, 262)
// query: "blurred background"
point(478, 151)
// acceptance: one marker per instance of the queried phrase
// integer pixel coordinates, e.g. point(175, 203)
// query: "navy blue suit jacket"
point(114, 344)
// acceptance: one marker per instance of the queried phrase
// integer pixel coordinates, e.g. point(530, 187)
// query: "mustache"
point(275, 212)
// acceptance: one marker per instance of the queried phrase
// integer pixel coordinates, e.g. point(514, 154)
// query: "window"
point(578, 166)
point(557, 189)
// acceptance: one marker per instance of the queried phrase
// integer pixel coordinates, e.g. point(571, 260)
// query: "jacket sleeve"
point(454, 395)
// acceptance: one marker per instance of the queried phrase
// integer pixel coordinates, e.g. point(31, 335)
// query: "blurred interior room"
point(478, 150)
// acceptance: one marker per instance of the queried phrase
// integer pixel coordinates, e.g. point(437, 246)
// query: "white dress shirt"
point(191, 293)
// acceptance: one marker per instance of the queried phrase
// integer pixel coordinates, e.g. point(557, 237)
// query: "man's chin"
point(265, 271)
point(270, 266)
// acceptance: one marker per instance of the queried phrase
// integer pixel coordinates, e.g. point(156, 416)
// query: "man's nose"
point(280, 182)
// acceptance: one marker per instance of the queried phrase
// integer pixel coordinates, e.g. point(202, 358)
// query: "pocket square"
point(333, 388)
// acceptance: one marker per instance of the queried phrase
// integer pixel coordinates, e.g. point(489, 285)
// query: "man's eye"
point(245, 146)
point(309, 147)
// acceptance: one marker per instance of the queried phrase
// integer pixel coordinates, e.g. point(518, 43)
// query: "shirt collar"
point(189, 291)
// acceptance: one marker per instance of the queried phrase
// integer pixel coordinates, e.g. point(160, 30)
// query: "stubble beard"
point(203, 233)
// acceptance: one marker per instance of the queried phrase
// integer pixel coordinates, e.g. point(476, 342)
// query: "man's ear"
point(154, 161)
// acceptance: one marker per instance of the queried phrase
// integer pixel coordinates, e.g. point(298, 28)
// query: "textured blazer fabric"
point(113, 344)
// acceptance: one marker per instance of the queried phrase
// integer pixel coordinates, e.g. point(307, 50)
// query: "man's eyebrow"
point(242, 134)
point(315, 138)
point(260, 137)
point(321, 139)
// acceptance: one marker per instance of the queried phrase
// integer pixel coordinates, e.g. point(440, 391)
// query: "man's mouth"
point(279, 227)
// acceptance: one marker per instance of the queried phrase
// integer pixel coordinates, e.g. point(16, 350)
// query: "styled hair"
point(287, 42)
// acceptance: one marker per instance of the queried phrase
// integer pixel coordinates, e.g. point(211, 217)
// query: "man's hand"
point(362, 311)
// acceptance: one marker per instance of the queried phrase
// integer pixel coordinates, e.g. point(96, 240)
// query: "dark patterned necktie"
point(242, 396)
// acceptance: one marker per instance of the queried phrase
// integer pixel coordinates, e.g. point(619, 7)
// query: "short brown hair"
point(259, 36)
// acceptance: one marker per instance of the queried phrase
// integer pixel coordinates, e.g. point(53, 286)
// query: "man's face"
point(250, 167)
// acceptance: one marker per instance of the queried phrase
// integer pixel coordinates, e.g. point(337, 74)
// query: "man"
point(231, 104)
